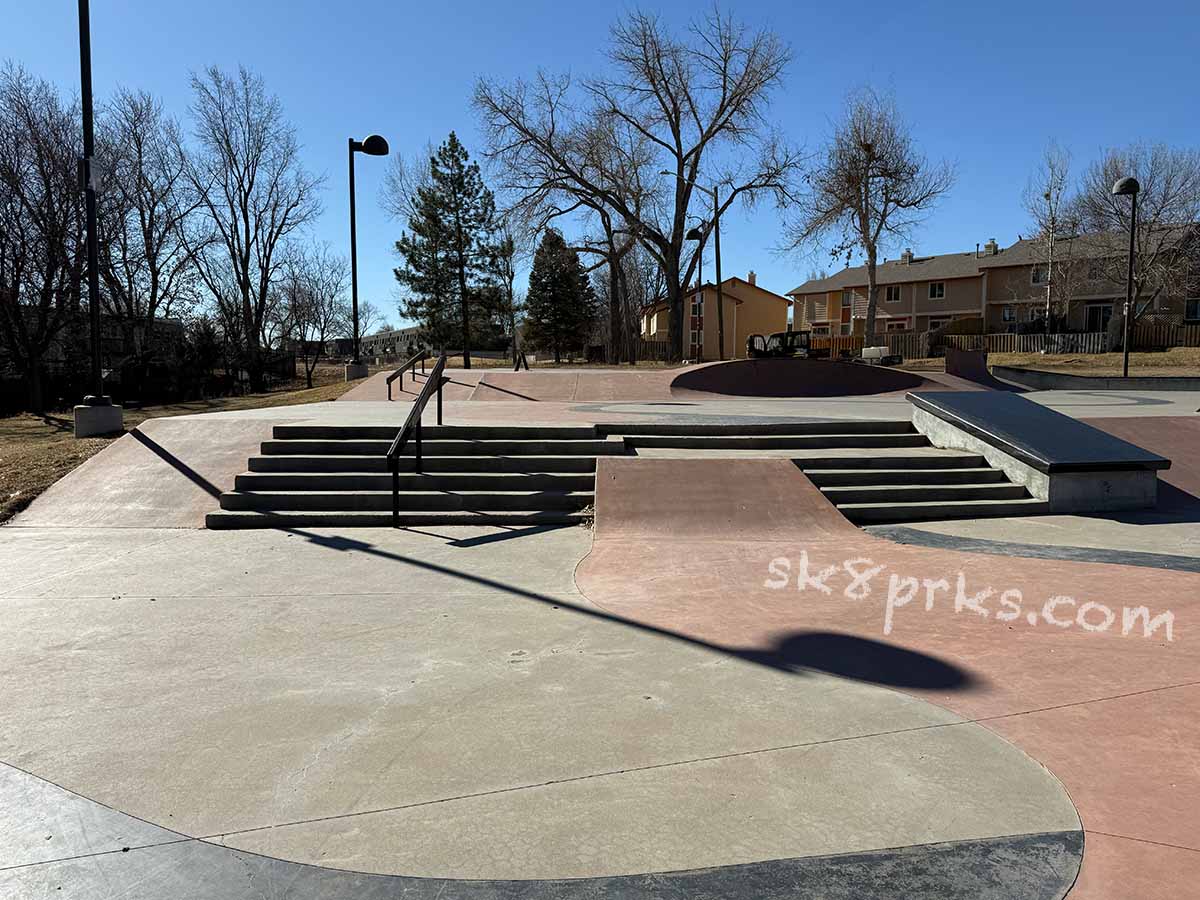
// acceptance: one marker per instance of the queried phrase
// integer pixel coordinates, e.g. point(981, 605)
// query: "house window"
point(820, 329)
point(935, 324)
point(845, 328)
point(847, 298)
point(697, 337)
point(1191, 309)
point(1037, 275)
point(1035, 313)
point(893, 294)
point(897, 325)
point(1009, 314)
point(937, 290)
point(698, 305)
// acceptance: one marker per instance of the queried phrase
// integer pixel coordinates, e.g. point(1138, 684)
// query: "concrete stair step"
point(428, 481)
point(923, 493)
point(378, 463)
point(418, 501)
point(861, 513)
point(439, 432)
point(785, 442)
point(232, 519)
point(366, 447)
point(948, 460)
point(865, 476)
point(843, 426)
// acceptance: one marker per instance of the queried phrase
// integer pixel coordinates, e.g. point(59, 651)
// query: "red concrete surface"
point(1175, 437)
point(461, 386)
point(1115, 718)
point(705, 381)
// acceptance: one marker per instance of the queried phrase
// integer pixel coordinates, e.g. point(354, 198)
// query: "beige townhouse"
point(1003, 286)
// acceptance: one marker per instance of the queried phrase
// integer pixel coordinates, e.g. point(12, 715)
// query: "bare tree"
point(256, 192)
point(870, 188)
point(41, 222)
point(146, 263)
point(1166, 243)
point(1048, 204)
point(314, 301)
point(370, 318)
point(691, 106)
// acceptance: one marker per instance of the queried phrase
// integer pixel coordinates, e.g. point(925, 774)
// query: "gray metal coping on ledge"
point(1034, 434)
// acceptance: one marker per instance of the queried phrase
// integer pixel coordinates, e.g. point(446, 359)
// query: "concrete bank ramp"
point(711, 499)
point(166, 473)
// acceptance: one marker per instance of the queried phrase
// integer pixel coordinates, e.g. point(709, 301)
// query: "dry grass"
point(1177, 361)
point(36, 451)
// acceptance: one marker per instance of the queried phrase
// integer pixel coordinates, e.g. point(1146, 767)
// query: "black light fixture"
point(1128, 187)
point(712, 192)
point(88, 178)
point(373, 145)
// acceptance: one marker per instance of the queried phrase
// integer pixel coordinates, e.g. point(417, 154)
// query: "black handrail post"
point(441, 381)
point(396, 492)
point(418, 437)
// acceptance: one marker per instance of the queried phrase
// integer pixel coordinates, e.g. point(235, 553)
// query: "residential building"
point(749, 309)
point(1003, 286)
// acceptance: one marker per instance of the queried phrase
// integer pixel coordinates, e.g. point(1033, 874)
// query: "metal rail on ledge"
point(412, 428)
point(411, 364)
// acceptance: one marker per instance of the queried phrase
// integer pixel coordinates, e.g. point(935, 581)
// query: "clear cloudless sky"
point(983, 84)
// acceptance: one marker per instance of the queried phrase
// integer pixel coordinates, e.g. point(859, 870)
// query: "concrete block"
point(356, 371)
point(1095, 490)
point(95, 420)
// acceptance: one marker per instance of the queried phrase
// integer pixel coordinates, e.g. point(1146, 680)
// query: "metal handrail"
point(412, 428)
point(418, 357)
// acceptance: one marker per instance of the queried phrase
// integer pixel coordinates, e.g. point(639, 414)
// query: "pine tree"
point(561, 303)
point(447, 250)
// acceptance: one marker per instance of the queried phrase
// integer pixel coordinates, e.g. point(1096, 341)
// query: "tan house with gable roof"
point(1004, 286)
point(749, 309)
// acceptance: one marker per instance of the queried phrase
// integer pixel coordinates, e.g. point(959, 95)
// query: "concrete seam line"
point(92, 565)
point(1126, 837)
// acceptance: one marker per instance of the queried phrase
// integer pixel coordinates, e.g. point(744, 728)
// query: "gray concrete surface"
point(106, 855)
point(444, 703)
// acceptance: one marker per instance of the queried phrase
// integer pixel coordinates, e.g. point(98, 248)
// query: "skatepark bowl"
point(796, 378)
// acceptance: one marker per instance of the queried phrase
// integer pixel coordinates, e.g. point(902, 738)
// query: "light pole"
point(697, 234)
point(717, 238)
point(1128, 187)
point(97, 415)
point(374, 145)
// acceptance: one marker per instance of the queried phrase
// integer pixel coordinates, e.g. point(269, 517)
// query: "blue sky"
point(983, 84)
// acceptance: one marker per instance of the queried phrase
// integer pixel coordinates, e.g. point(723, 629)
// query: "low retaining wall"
point(1059, 381)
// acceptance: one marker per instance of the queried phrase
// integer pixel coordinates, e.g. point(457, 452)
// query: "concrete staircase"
point(311, 475)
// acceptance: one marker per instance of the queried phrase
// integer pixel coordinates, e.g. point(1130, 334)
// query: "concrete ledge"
point(1069, 465)
point(356, 371)
point(91, 421)
point(1059, 381)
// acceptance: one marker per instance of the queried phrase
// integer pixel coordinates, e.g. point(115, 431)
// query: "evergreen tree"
point(447, 250)
point(561, 305)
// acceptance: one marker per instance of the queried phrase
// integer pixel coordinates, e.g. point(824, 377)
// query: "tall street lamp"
point(712, 191)
point(697, 234)
point(374, 145)
point(97, 415)
point(1128, 187)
